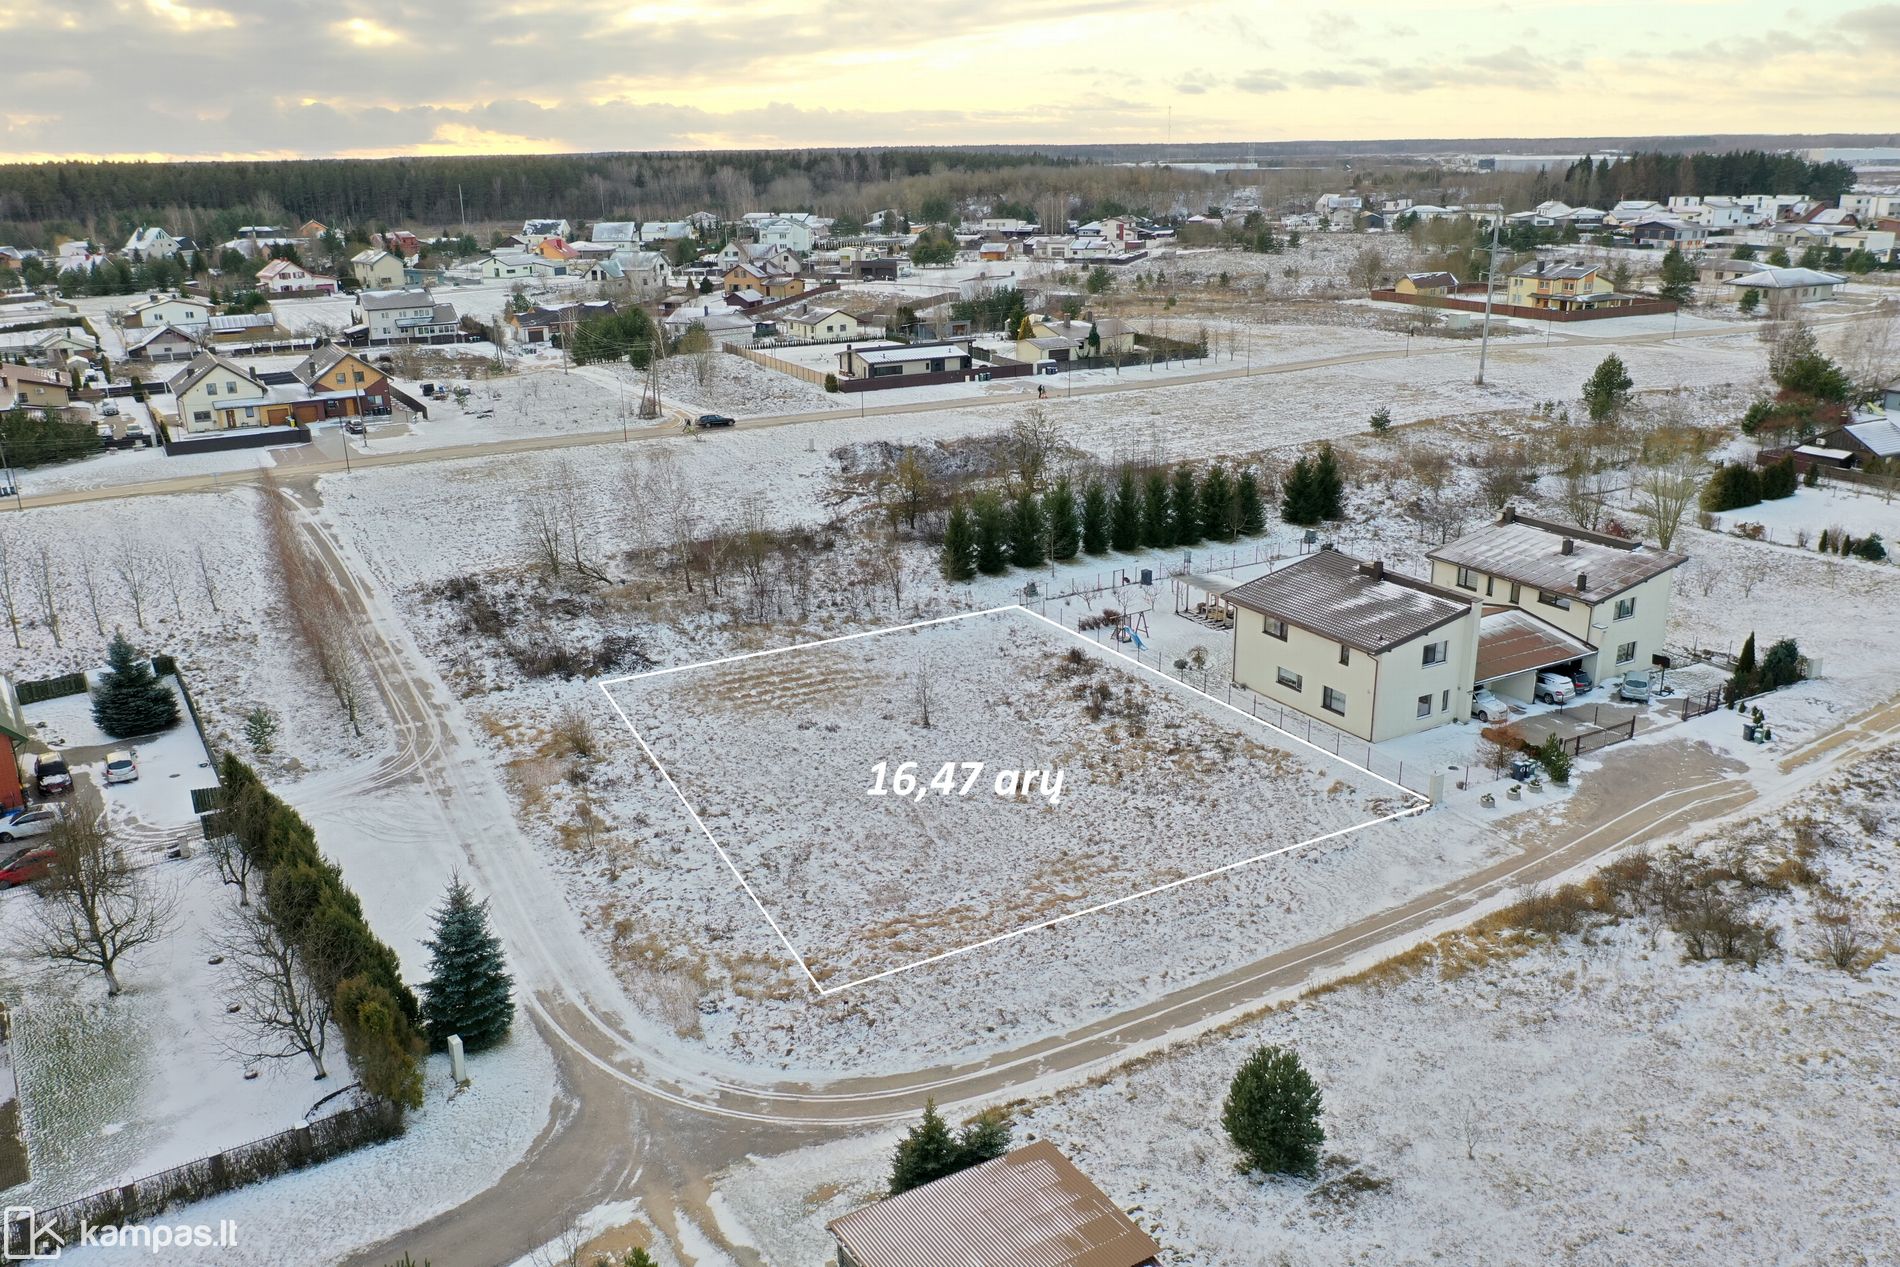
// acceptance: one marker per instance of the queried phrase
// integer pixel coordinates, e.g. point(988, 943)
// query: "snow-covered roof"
point(1557, 559)
point(1880, 437)
point(902, 354)
point(1771, 278)
point(386, 300)
point(1352, 602)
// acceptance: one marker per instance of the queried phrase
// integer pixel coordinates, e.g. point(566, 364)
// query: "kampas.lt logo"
point(25, 1241)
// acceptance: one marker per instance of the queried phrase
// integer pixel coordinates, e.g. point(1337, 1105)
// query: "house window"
point(1276, 629)
point(250, 411)
point(231, 387)
point(211, 389)
point(1444, 702)
point(1289, 679)
point(1514, 591)
point(1466, 579)
point(1333, 701)
point(1626, 653)
point(1345, 654)
point(1437, 652)
point(1425, 704)
point(1489, 584)
point(201, 415)
point(1553, 600)
point(1625, 608)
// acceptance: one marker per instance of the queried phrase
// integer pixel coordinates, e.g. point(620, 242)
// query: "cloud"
point(1260, 81)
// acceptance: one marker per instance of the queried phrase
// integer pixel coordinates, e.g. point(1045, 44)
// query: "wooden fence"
point(775, 364)
point(1641, 308)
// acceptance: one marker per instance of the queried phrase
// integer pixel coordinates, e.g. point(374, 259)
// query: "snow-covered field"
point(1142, 783)
point(1596, 1097)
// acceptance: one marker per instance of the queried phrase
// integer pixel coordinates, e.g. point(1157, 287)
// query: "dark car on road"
point(712, 420)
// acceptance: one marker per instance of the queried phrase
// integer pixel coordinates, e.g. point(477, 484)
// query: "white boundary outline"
point(1421, 801)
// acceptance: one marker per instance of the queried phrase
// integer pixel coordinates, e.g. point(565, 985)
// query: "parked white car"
point(1487, 707)
point(1554, 688)
point(1634, 687)
point(121, 767)
point(30, 820)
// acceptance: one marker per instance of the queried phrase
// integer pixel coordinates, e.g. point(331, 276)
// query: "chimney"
point(1583, 582)
point(1569, 546)
point(1374, 570)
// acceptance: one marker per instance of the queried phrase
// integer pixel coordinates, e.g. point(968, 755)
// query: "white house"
point(1356, 646)
point(281, 277)
point(717, 319)
point(616, 232)
point(665, 231)
point(167, 310)
point(150, 243)
point(401, 315)
point(793, 235)
point(376, 269)
point(649, 272)
point(504, 265)
point(534, 232)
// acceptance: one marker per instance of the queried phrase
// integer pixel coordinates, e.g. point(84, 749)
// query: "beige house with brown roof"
point(1355, 645)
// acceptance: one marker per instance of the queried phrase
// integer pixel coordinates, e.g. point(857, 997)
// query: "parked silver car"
point(1554, 688)
point(1634, 687)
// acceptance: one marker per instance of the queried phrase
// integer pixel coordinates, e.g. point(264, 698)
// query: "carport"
point(1514, 645)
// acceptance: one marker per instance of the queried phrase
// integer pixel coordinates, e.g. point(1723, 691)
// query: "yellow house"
point(1561, 286)
point(1435, 285)
point(820, 324)
point(212, 394)
point(770, 284)
point(377, 270)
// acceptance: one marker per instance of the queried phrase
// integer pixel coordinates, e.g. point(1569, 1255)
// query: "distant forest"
point(40, 203)
point(443, 191)
point(1657, 176)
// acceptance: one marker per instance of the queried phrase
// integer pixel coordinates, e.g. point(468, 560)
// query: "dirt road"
point(633, 1121)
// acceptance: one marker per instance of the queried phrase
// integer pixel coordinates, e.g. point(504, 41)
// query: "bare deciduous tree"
point(90, 579)
point(6, 585)
point(205, 579)
point(131, 567)
point(46, 586)
point(922, 695)
point(1031, 444)
point(319, 613)
point(95, 906)
point(282, 1013)
point(1664, 492)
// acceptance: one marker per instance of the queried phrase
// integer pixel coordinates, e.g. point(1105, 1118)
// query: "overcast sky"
point(294, 78)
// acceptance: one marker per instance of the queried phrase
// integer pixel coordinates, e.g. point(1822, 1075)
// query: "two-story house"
point(149, 242)
point(377, 269)
point(185, 312)
point(27, 387)
point(533, 231)
point(1357, 646)
point(1608, 595)
point(213, 394)
point(402, 316)
point(1563, 286)
point(793, 235)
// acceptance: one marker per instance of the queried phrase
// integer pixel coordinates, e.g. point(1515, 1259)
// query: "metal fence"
point(1599, 737)
point(1707, 702)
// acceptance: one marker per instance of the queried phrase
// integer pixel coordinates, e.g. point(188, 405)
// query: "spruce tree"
point(1272, 1114)
point(1065, 529)
point(930, 1151)
point(1329, 489)
point(959, 544)
point(1095, 517)
point(1219, 507)
point(1124, 531)
point(1297, 498)
point(1025, 532)
point(1184, 506)
point(1743, 682)
point(130, 700)
point(992, 535)
point(1157, 530)
point(469, 991)
point(1253, 511)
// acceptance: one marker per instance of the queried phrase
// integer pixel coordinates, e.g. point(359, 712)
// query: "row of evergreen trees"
point(989, 533)
point(322, 921)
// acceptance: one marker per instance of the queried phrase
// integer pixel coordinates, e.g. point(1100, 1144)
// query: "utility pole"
point(1490, 288)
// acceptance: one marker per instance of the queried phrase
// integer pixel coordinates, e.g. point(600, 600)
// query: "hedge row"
point(323, 920)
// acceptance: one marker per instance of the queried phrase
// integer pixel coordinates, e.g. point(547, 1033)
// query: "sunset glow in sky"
point(297, 78)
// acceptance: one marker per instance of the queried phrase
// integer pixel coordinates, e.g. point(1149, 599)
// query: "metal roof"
point(1532, 552)
point(1771, 278)
point(1359, 604)
point(1880, 437)
point(909, 352)
point(1029, 1208)
point(1514, 641)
